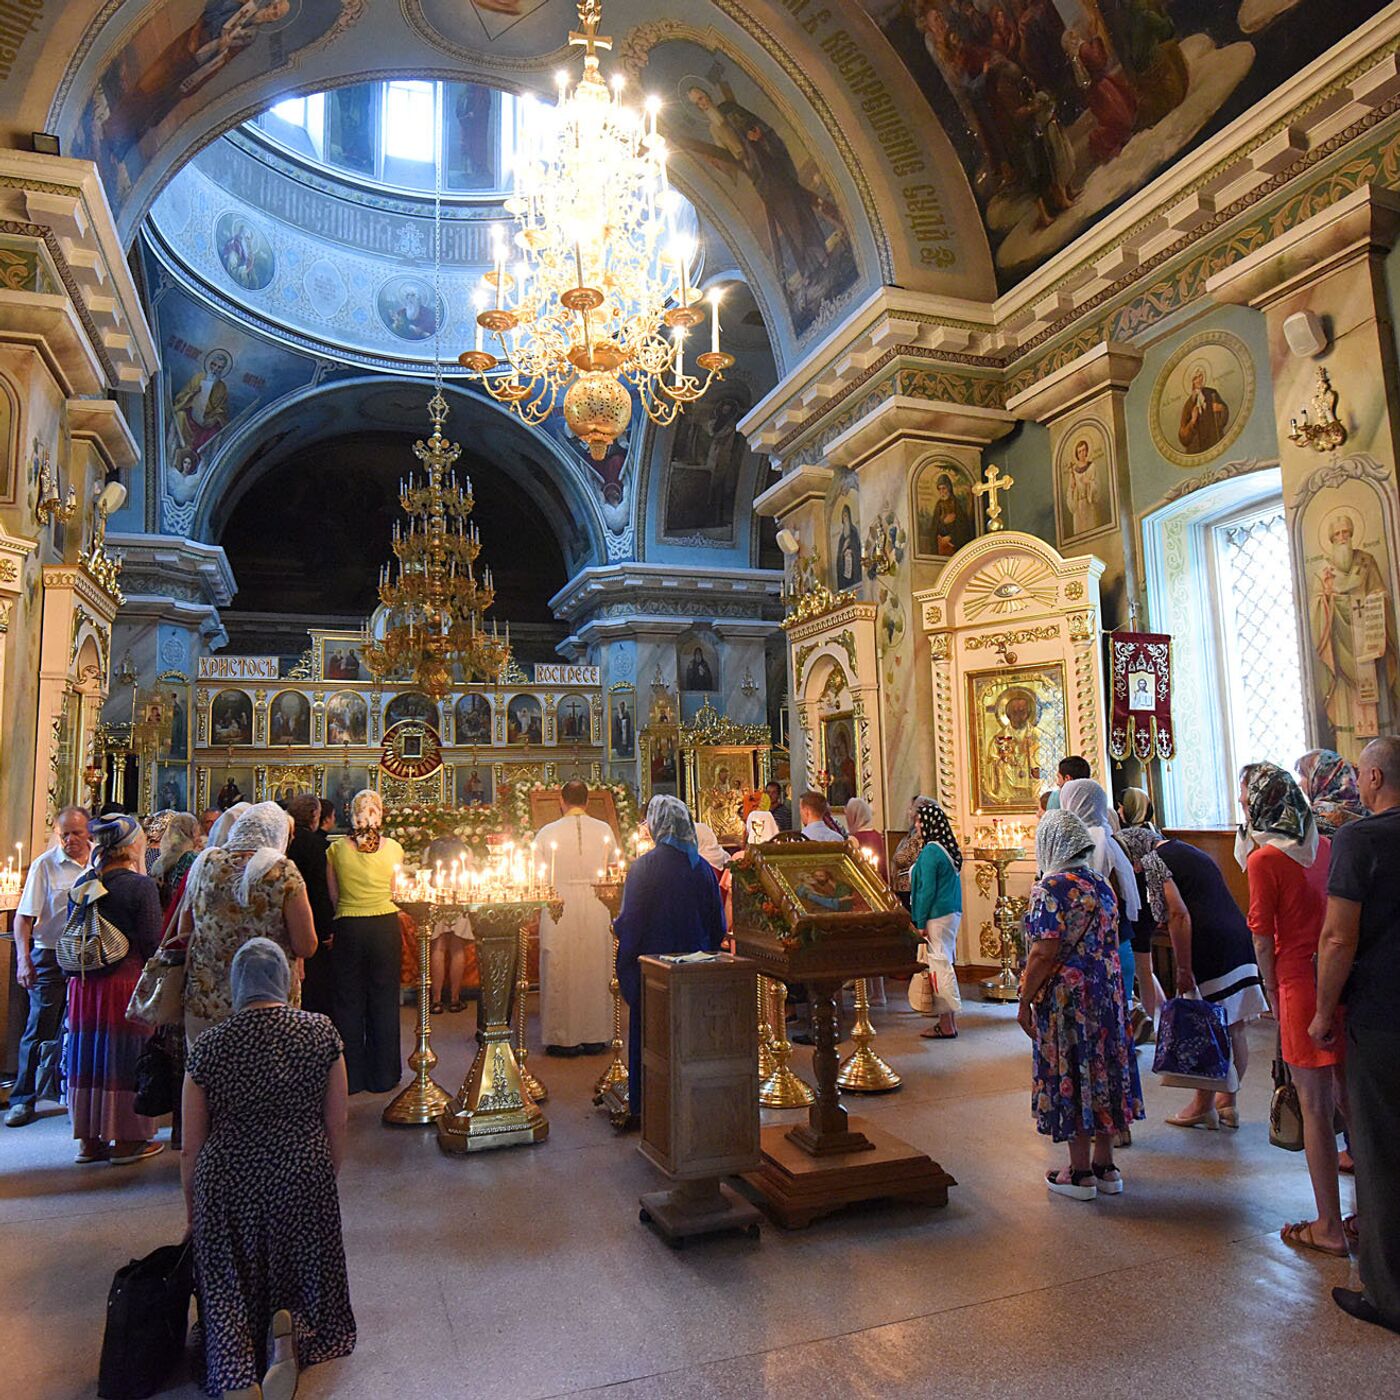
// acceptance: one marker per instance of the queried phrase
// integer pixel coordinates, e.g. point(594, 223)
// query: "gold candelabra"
point(534, 1087)
point(782, 1088)
point(610, 1091)
point(1009, 916)
point(863, 1071)
point(596, 290)
point(765, 1028)
point(424, 1100)
point(52, 504)
point(434, 603)
point(1324, 431)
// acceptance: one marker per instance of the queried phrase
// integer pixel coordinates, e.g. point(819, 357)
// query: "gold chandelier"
point(432, 629)
point(596, 291)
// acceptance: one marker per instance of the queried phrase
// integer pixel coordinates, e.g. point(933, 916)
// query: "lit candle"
point(680, 354)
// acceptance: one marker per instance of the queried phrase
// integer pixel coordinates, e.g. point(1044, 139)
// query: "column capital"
point(1363, 225)
point(1110, 365)
point(900, 418)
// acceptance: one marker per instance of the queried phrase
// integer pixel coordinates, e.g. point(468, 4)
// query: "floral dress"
point(222, 926)
point(1082, 1081)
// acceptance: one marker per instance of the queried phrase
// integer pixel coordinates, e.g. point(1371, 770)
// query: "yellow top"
point(364, 879)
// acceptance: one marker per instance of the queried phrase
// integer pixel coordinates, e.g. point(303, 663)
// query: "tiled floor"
point(525, 1273)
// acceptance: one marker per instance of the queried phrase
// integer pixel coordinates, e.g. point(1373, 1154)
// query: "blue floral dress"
point(1082, 1081)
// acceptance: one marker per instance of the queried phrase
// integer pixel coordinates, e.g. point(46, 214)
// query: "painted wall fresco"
point(1202, 398)
point(1086, 497)
point(1062, 108)
point(183, 56)
point(723, 123)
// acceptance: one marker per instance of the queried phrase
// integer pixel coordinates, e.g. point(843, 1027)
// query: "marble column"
point(1324, 283)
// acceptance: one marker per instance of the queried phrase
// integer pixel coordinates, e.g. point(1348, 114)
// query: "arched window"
point(1220, 580)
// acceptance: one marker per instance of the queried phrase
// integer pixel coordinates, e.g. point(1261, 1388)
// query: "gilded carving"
point(1081, 626)
point(1074, 591)
point(999, 641)
point(1010, 585)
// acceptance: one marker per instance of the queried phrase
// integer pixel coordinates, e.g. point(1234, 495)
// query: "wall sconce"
point(1324, 432)
point(51, 505)
point(748, 686)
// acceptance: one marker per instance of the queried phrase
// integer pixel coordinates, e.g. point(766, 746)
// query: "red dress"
point(1287, 903)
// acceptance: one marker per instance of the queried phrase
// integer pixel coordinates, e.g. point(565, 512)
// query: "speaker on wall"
point(1304, 334)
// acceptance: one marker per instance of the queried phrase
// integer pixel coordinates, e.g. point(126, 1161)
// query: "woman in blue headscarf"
point(671, 904)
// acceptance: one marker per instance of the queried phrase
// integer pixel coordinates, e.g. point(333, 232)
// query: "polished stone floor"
point(525, 1273)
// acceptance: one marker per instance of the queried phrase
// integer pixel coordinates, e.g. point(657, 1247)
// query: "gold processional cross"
point(590, 15)
point(992, 487)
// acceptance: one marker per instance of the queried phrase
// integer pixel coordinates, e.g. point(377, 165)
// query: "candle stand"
point(1009, 916)
point(863, 1071)
point(424, 1099)
point(536, 1090)
point(610, 1091)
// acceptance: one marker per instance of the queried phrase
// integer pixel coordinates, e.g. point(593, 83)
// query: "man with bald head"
point(1359, 964)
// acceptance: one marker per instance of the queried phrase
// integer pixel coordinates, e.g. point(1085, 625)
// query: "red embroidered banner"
point(1140, 671)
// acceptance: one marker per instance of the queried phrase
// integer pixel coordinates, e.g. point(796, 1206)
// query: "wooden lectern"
point(699, 1091)
point(815, 912)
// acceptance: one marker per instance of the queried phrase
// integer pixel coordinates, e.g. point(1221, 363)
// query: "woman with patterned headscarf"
point(935, 906)
point(245, 888)
point(1212, 946)
point(1287, 861)
point(671, 904)
point(1072, 1007)
point(1329, 783)
point(103, 1046)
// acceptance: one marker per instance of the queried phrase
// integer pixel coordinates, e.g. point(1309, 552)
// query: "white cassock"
point(576, 952)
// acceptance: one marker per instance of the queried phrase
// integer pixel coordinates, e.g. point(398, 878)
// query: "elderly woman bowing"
point(264, 1104)
point(1072, 1007)
point(670, 904)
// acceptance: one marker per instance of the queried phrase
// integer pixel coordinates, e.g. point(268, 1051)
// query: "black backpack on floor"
point(148, 1311)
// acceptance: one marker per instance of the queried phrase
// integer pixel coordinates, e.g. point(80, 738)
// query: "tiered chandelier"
point(432, 626)
point(595, 294)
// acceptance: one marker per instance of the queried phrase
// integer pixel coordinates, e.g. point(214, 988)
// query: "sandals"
point(1108, 1178)
point(937, 1033)
point(455, 1006)
point(1300, 1236)
point(1081, 1186)
point(435, 1008)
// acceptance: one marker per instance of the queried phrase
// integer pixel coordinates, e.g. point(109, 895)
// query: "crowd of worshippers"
point(292, 950)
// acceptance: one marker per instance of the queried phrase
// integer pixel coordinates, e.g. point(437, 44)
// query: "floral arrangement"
point(414, 824)
point(760, 911)
point(623, 802)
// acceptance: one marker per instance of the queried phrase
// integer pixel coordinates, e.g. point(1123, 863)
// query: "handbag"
point(90, 942)
point(157, 1076)
point(1193, 1047)
point(1285, 1112)
point(148, 1313)
point(158, 998)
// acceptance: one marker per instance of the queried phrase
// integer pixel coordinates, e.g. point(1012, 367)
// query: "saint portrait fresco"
point(244, 252)
point(571, 719)
point(408, 308)
point(839, 759)
point(845, 543)
point(1351, 616)
point(945, 514)
point(347, 718)
point(1086, 499)
point(723, 124)
point(622, 724)
point(1202, 398)
point(411, 704)
point(1017, 722)
point(231, 718)
point(289, 718)
point(708, 457)
point(698, 664)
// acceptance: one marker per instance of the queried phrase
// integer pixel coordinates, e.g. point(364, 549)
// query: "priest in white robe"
point(575, 952)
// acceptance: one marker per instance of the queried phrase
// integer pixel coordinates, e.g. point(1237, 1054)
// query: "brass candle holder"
point(863, 1071)
point(611, 1086)
point(765, 1028)
point(782, 1088)
point(424, 1100)
point(536, 1089)
point(1008, 915)
point(494, 1108)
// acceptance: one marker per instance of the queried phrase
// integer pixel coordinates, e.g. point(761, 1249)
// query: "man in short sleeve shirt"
point(1359, 964)
point(39, 919)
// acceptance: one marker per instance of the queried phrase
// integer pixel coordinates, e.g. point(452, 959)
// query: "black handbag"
point(157, 1077)
point(148, 1311)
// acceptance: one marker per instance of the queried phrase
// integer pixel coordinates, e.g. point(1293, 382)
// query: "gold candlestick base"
point(424, 1100)
point(782, 1088)
point(494, 1108)
point(536, 1090)
point(609, 894)
point(864, 1071)
point(1008, 914)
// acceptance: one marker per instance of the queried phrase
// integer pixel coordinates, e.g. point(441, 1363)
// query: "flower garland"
point(623, 803)
point(415, 824)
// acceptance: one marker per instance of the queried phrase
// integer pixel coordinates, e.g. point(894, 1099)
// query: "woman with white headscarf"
point(670, 904)
point(365, 1002)
point(760, 827)
point(1073, 1009)
point(860, 827)
point(245, 888)
point(265, 1106)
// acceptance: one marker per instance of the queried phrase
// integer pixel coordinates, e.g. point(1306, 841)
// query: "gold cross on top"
point(992, 487)
point(590, 16)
